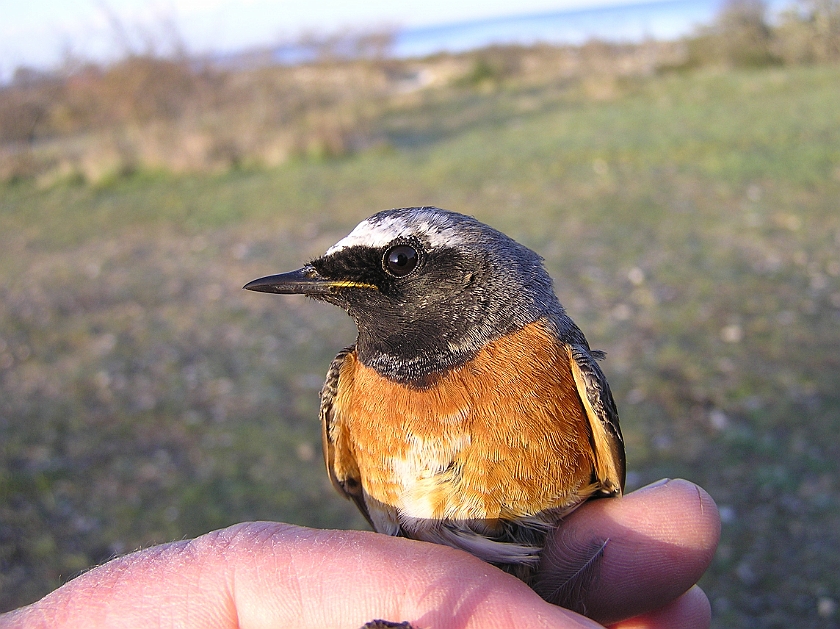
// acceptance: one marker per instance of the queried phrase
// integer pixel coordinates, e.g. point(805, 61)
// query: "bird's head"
point(426, 287)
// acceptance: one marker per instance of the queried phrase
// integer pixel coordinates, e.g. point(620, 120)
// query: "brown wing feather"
point(348, 485)
point(607, 442)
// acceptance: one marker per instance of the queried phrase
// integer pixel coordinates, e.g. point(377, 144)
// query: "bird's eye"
point(400, 260)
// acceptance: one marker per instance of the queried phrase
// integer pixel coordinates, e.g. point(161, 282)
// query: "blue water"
point(662, 19)
point(668, 19)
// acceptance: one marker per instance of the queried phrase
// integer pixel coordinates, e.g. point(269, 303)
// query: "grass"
point(690, 223)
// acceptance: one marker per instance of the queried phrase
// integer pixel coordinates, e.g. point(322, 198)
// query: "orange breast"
point(503, 436)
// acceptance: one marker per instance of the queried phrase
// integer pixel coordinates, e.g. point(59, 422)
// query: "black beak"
point(305, 281)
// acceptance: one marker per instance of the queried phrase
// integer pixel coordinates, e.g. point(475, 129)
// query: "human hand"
point(660, 540)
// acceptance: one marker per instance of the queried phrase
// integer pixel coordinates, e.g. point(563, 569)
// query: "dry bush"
point(809, 32)
point(176, 114)
point(147, 112)
point(24, 107)
point(745, 37)
point(742, 36)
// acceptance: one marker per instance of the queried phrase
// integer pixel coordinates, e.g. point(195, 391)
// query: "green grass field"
point(691, 223)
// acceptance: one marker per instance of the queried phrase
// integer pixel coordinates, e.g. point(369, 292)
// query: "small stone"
point(826, 607)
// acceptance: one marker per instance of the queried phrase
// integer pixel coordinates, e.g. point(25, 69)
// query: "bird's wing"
point(344, 474)
point(607, 442)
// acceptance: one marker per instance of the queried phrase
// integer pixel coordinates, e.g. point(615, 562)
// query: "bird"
point(470, 411)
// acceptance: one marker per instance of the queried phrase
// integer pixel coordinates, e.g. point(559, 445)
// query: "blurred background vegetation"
point(685, 196)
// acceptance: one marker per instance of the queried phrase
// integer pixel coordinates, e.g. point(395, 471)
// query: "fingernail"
point(660, 483)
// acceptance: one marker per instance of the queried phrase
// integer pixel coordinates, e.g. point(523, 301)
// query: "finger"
point(690, 611)
point(268, 574)
point(163, 585)
point(363, 576)
point(616, 559)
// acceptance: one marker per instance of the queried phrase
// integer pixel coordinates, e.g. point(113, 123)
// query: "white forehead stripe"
point(379, 232)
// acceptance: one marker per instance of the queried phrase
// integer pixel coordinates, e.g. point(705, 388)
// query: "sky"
point(40, 33)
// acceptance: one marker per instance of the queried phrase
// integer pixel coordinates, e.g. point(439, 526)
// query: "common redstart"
point(470, 411)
